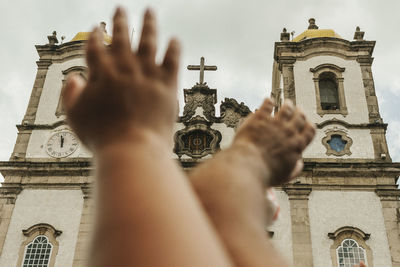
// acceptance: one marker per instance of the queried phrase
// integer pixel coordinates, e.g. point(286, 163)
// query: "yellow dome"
point(315, 33)
point(84, 36)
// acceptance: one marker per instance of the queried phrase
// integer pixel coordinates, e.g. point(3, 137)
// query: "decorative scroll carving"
point(197, 139)
point(199, 96)
point(232, 112)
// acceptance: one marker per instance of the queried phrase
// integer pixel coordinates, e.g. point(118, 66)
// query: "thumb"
point(72, 90)
point(297, 169)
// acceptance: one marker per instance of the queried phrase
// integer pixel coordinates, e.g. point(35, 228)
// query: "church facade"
point(344, 207)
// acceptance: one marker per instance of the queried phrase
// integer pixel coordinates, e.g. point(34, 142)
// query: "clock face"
point(62, 144)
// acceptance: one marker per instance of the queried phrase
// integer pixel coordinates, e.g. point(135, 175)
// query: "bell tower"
point(347, 192)
point(331, 79)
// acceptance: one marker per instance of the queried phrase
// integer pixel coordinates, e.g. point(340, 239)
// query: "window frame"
point(353, 233)
point(79, 70)
point(336, 73)
point(41, 229)
point(330, 151)
point(358, 246)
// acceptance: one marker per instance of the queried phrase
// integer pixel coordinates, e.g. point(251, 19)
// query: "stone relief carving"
point(197, 139)
point(232, 112)
point(199, 96)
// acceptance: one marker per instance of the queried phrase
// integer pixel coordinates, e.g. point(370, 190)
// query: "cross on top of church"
point(201, 68)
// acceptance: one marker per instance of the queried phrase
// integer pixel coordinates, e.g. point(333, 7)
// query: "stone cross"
point(201, 68)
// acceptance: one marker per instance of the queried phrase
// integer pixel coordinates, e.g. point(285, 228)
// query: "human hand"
point(278, 139)
point(127, 96)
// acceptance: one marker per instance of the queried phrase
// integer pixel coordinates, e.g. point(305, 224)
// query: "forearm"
point(146, 205)
point(237, 204)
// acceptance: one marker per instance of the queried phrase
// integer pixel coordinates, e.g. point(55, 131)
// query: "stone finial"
point(312, 25)
point(53, 38)
point(358, 35)
point(103, 26)
point(285, 36)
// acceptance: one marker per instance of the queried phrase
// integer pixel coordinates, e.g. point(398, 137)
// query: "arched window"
point(350, 253)
point(40, 247)
point(350, 247)
point(79, 70)
point(328, 91)
point(38, 252)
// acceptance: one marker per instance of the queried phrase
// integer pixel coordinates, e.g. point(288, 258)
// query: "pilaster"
point(289, 91)
point(23, 136)
point(81, 255)
point(369, 86)
point(391, 215)
point(8, 196)
point(301, 234)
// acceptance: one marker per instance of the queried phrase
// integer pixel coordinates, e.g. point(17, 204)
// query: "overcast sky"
point(237, 36)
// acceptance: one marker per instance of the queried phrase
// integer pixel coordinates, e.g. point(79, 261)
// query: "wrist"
point(142, 138)
point(253, 158)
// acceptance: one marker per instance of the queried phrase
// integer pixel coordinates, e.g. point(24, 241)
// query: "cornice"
point(324, 45)
point(376, 125)
point(81, 167)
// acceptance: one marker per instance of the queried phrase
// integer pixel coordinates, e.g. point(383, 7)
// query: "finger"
point(287, 111)
point(297, 169)
point(121, 47)
point(147, 44)
point(308, 133)
point(170, 64)
point(267, 106)
point(96, 56)
point(298, 120)
point(71, 91)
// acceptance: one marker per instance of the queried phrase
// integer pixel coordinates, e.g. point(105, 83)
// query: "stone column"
point(81, 255)
point(289, 91)
point(391, 215)
point(301, 235)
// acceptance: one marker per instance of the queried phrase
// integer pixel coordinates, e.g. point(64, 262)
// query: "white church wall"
point(282, 238)
point(353, 89)
point(60, 208)
point(227, 134)
point(361, 148)
point(330, 210)
point(52, 90)
point(37, 145)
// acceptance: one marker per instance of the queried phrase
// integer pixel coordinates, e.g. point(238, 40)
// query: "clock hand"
point(62, 141)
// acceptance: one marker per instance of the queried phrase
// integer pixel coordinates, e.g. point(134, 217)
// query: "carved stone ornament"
point(199, 96)
point(232, 112)
point(337, 143)
point(41, 228)
point(197, 139)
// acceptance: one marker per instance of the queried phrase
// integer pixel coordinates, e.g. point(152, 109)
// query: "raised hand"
point(279, 139)
point(128, 96)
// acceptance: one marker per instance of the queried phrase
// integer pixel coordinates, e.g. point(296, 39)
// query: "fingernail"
point(149, 12)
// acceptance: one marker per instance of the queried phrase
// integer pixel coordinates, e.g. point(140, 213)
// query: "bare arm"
point(231, 186)
point(147, 213)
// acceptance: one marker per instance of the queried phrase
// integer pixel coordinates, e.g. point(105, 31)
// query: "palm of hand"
point(127, 92)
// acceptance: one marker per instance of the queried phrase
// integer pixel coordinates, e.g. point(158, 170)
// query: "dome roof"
point(84, 36)
point(314, 32)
